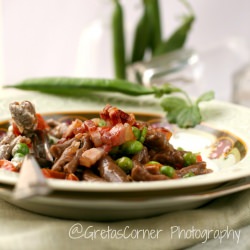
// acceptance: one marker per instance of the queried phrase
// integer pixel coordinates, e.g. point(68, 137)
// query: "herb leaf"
point(184, 112)
point(188, 117)
point(205, 97)
point(173, 106)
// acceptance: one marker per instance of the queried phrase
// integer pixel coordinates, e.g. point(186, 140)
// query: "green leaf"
point(188, 117)
point(173, 102)
point(205, 97)
point(173, 106)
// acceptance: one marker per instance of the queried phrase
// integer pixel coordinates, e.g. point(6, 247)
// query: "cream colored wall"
point(1, 46)
point(44, 37)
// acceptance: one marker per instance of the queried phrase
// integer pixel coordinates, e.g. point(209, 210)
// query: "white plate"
point(110, 209)
point(222, 120)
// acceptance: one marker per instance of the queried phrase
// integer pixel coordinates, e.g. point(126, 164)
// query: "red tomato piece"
point(72, 177)
point(48, 173)
point(8, 165)
point(41, 123)
point(16, 131)
point(198, 158)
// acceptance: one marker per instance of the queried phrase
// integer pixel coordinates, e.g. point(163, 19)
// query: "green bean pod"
point(177, 39)
point(118, 41)
point(154, 23)
point(78, 86)
point(141, 37)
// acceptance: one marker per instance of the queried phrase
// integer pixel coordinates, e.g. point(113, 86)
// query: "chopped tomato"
point(53, 174)
point(198, 158)
point(71, 177)
point(16, 131)
point(8, 165)
point(41, 123)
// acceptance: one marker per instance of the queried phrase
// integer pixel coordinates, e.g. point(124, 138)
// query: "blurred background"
point(73, 38)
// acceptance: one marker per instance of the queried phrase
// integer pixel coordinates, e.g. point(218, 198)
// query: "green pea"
point(131, 147)
point(17, 159)
point(125, 163)
point(168, 171)
point(20, 148)
point(153, 162)
point(136, 132)
point(143, 134)
point(189, 174)
point(102, 123)
point(189, 158)
point(180, 149)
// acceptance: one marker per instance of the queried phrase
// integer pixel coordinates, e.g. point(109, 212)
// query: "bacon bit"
point(41, 123)
point(128, 135)
point(121, 133)
point(8, 165)
point(113, 116)
point(117, 134)
point(48, 173)
point(71, 131)
point(90, 125)
point(96, 138)
point(94, 132)
point(91, 156)
point(71, 177)
point(80, 130)
point(106, 148)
